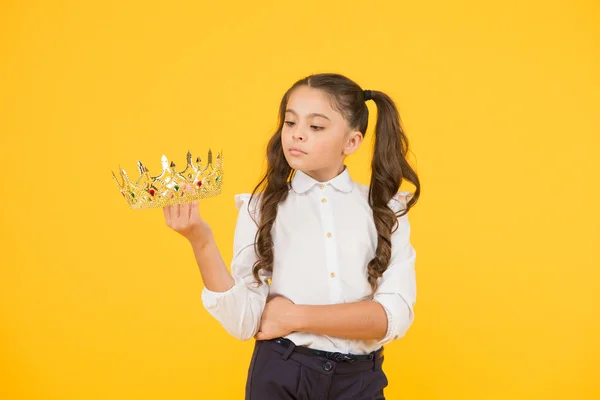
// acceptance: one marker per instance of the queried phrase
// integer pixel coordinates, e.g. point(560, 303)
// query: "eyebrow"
point(310, 115)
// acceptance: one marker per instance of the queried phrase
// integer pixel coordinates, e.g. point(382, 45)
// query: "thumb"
point(259, 336)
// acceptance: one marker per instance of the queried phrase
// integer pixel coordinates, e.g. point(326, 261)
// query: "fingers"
point(194, 213)
point(184, 210)
point(180, 212)
point(167, 213)
point(186, 207)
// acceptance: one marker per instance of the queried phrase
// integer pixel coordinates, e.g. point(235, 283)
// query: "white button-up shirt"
point(324, 237)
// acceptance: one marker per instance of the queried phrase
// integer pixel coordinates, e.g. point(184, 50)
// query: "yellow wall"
point(500, 102)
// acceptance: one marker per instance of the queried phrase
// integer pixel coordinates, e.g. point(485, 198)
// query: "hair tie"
point(368, 95)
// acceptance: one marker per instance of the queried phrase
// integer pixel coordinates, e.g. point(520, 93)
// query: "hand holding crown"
point(185, 219)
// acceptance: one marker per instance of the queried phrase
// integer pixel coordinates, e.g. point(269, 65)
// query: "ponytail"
point(389, 168)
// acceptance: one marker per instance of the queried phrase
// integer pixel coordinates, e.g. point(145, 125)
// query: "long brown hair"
point(389, 167)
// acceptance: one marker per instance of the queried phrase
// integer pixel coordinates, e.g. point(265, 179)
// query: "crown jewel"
point(168, 187)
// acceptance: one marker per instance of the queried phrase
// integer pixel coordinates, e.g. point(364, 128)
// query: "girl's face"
point(315, 137)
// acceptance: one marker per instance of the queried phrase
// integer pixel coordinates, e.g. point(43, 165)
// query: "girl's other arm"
point(384, 319)
point(362, 320)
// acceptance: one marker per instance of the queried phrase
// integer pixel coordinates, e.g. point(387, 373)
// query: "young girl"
point(323, 269)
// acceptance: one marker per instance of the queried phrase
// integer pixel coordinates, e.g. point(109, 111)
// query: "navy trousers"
point(278, 372)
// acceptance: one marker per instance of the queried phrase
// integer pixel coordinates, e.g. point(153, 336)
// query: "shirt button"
point(327, 366)
point(328, 234)
point(323, 200)
point(332, 274)
point(321, 187)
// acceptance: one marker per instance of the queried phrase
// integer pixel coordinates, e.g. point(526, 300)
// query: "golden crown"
point(168, 188)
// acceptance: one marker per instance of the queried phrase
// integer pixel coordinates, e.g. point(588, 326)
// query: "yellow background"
point(500, 102)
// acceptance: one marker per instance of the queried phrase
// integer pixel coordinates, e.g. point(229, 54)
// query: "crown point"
point(164, 162)
point(116, 180)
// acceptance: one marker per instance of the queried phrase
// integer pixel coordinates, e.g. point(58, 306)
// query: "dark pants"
point(278, 372)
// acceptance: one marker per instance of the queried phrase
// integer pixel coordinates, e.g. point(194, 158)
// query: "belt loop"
point(377, 361)
point(288, 351)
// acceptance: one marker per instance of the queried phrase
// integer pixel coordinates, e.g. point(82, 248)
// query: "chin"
point(294, 163)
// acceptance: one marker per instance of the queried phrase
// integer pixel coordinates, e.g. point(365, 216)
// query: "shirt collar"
point(301, 182)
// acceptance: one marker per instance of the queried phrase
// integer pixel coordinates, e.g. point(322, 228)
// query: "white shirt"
point(324, 237)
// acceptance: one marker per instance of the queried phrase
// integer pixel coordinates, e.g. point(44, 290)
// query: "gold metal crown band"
point(168, 187)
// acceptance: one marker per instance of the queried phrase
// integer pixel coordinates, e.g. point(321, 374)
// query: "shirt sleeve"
point(240, 308)
point(397, 287)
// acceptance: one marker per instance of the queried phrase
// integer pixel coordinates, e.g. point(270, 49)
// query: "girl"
point(323, 268)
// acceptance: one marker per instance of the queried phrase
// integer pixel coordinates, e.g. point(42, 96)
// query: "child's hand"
point(277, 318)
point(185, 219)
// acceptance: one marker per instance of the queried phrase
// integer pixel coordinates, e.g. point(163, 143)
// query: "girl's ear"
point(353, 142)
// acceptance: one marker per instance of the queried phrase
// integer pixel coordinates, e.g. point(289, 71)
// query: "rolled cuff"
point(400, 316)
point(211, 299)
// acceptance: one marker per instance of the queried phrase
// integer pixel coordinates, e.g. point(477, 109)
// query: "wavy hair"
point(389, 167)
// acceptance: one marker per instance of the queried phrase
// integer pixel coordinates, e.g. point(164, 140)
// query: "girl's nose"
point(298, 136)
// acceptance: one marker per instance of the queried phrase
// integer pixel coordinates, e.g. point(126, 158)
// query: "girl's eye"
point(314, 127)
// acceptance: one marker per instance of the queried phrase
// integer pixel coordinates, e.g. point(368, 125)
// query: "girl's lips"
point(296, 152)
